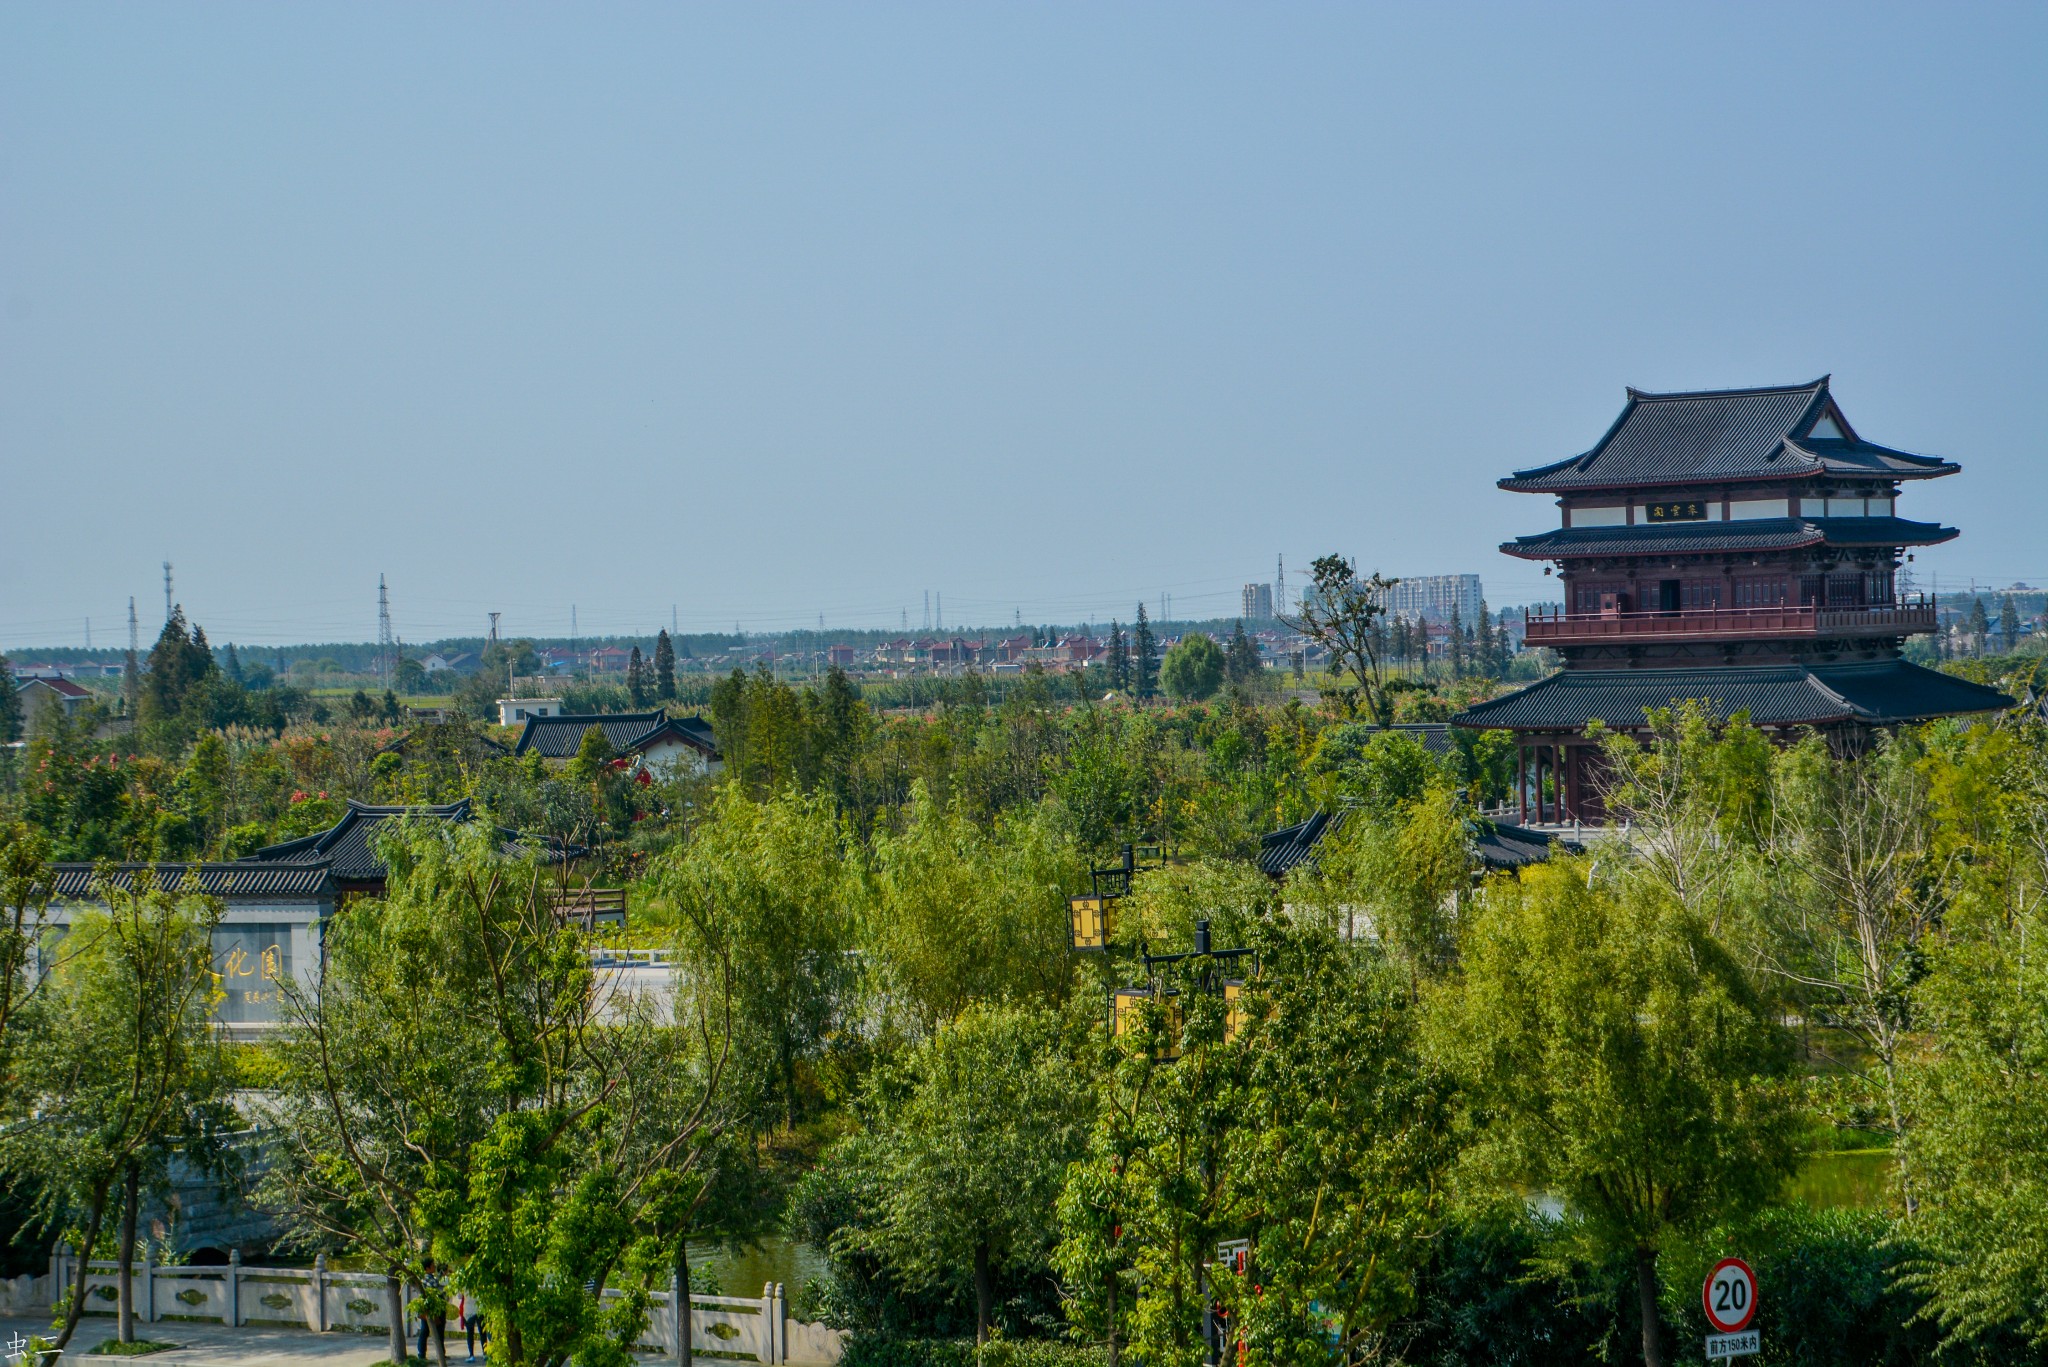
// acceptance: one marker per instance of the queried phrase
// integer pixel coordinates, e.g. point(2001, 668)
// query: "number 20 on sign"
point(1730, 1301)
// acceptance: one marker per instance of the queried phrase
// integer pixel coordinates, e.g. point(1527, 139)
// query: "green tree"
point(1241, 664)
point(1979, 628)
point(1698, 799)
point(1862, 883)
point(664, 667)
point(1486, 648)
point(1612, 1052)
point(1144, 657)
point(10, 704)
point(1345, 616)
point(25, 891)
point(463, 1095)
point(123, 1065)
point(966, 1144)
point(1339, 1154)
point(180, 663)
point(1119, 658)
point(1144, 1213)
point(636, 681)
point(1193, 669)
point(1401, 875)
point(1979, 1088)
point(957, 913)
point(2009, 623)
point(774, 879)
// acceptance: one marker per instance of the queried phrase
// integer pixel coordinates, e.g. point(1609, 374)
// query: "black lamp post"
point(1094, 911)
point(1206, 966)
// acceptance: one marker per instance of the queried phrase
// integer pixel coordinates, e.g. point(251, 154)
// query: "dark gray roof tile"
point(1874, 693)
point(1697, 538)
point(307, 881)
point(1717, 435)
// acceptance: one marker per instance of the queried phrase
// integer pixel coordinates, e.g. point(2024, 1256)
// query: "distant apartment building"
point(1432, 596)
point(1258, 601)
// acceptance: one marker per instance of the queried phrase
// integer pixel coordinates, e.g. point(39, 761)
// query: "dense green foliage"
point(1451, 1115)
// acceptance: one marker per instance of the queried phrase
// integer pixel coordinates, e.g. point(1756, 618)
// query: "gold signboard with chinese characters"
point(1678, 510)
point(250, 964)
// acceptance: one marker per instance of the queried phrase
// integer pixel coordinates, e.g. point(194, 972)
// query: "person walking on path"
point(472, 1316)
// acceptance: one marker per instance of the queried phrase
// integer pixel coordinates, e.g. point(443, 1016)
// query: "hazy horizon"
point(769, 312)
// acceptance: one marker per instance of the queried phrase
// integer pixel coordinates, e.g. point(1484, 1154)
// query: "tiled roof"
point(1503, 845)
point(1693, 538)
point(62, 687)
point(560, 737)
point(1722, 434)
point(1875, 693)
point(310, 881)
point(347, 844)
point(1498, 844)
point(1281, 850)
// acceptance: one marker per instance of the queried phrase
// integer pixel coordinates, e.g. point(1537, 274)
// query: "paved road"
point(216, 1345)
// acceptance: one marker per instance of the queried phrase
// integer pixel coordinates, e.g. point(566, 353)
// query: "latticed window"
point(1699, 595)
point(1586, 596)
point(1760, 591)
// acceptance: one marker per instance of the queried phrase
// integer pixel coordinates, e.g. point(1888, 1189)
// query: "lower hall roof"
point(1873, 693)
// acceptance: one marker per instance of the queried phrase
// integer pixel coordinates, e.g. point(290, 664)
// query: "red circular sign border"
point(1707, 1296)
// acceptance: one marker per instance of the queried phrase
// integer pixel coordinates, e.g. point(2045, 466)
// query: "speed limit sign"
point(1730, 1296)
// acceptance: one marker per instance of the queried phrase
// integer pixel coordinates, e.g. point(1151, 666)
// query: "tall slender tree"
point(1145, 661)
point(664, 667)
point(2009, 622)
point(1241, 663)
point(1119, 658)
point(636, 679)
point(10, 704)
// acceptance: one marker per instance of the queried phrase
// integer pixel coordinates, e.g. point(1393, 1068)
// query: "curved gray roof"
point(1499, 844)
point(560, 737)
point(1874, 693)
point(1697, 538)
point(347, 845)
point(1716, 435)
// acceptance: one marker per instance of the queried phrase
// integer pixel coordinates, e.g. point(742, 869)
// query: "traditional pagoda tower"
point(1735, 546)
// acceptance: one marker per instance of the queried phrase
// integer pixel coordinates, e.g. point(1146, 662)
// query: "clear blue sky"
point(768, 312)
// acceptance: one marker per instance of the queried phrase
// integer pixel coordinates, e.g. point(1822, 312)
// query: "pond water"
point(1860, 1179)
point(774, 1259)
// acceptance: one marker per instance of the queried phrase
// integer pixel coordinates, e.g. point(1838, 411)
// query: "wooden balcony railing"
point(589, 907)
point(1580, 628)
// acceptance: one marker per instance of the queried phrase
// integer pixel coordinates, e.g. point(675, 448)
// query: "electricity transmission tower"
point(167, 590)
point(383, 634)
